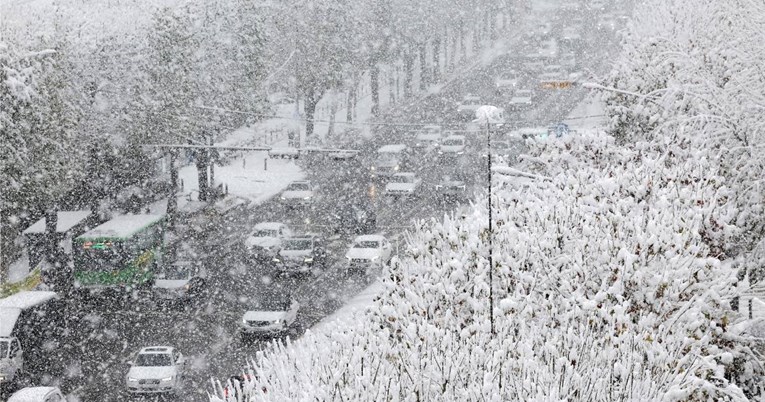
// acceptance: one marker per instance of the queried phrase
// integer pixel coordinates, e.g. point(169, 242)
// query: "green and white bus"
point(126, 251)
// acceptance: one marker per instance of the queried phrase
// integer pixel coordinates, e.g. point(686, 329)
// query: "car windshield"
point(403, 179)
point(367, 244)
point(266, 233)
point(4, 348)
point(298, 187)
point(453, 141)
point(153, 360)
point(297, 244)
point(178, 270)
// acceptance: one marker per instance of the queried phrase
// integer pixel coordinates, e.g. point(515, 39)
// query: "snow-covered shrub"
point(695, 69)
point(610, 283)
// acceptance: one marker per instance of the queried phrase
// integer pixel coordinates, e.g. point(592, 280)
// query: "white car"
point(299, 193)
point(368, 251)
point(266, 238)
point(451, 187)
point(274, 316)
point(403, 184)
point(523, 99)
point(156, 369)
point(426, 142)
point(38, 394)
point(453, 145)
point(507, 82)
point(467, 107)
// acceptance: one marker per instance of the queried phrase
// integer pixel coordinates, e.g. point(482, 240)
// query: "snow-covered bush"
point(610, 283)
point(696, 65)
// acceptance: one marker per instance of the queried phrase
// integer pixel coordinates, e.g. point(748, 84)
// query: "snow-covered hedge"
point(697, 65)
point(610, 282)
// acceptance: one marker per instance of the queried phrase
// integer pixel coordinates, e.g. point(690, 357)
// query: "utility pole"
point(490, 114)
point(491, 232)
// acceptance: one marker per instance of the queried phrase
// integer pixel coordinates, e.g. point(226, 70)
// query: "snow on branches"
point(697, 64)
point(610, 282)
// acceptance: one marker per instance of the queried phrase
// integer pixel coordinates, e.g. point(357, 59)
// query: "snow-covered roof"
point(8, 317)
point(66, 220)
point(392, 148)
point(122, 226)
point(32, 394)
point(26, 299)
point(269, 226)
point(405, 174)
point(369, 238)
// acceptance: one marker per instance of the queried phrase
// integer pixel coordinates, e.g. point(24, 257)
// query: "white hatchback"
point(368, 251)
point(38, 394)
point(156, 369)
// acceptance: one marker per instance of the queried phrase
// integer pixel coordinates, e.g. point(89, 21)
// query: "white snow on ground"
point(588, 115)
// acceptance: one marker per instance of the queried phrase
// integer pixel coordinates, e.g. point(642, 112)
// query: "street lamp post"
point(488, 115)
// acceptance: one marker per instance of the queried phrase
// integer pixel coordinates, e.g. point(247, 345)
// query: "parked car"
point(38, 394)
point(368, 251)
point(453, 145)
point(273, 316)
point(467, 106)
point(300, 255)
point(299, 193)
point(266, 238)
point(403, 184)
point(156, 369)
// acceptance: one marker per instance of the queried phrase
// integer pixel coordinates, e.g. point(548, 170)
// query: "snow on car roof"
point(369, 238)
point(26, 299)
point(8, 317)
point(404, 174)
point(122, 226)
point(31, 394)
point(268, 226)
point(392, 148)
point(65, 221)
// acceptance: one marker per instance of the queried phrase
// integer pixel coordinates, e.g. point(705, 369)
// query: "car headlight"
point(283, 198)
point(131, 379)
point(375, 258)
point(277, 260)
point(460, 152)
point(396, 168)
point(167, 379)
point(372, 168)
point(307, 197)
point(308, 260)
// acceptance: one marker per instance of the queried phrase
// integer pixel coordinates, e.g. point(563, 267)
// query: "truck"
point(28, 319)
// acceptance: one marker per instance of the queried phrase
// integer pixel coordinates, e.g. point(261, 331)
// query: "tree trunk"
point(172, 199)
point(476, 37)
point(408, 73)
point(423, 65)
point(332, 113)
point(375, 85)
point(461, 40)
point(309, 106)
point(436, 58)
point(492, 28)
